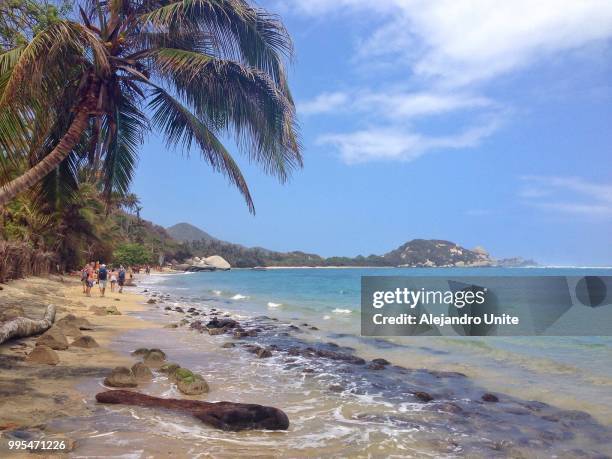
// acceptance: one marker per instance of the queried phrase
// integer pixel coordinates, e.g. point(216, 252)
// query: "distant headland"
point(415, 253)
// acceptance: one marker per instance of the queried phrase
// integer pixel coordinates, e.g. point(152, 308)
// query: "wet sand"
point(31, 394)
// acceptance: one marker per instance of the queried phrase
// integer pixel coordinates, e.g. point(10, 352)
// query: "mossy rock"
point(154, 358)
point(182, 373)
point(192, 385)
point(169, 368)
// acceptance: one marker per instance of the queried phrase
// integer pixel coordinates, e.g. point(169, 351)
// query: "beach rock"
point(263, 353)
point(179, 309)
point(171, 326)
point(222, 323)
point(192, 385)
point(105, 310)
point(228, 345)
point(85, 341)
point(381, 361)
point(191, 310)
point(151, 301)
point(141, 372)
point(70, 330)
point(240, 334)
point(336, 388)
point(54, 338)
point(120, 377)
point(216, 331)
point(168, 308)
point(154, 358)
point(217, 262)
point(221, 415)
point(488, 397)
point(169, 369)
point(313, 328)
point(375, 366)
point(140, 352)
point(112, 311)
point(43, 354)
point(423, 396)
point(80, 322)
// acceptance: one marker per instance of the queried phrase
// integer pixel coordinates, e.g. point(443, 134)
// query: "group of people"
point(95, 272)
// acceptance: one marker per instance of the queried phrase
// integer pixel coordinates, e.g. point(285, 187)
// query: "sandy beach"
point(31, 393)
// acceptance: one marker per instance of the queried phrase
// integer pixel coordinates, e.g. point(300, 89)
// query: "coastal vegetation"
point(81, 86)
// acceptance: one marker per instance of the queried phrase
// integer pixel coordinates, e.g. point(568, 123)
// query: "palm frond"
point(180, 126)
point(125, 135)
point(236, 98)
point(239, 31)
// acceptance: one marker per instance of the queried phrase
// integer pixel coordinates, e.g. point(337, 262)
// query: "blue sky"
point(474, 121)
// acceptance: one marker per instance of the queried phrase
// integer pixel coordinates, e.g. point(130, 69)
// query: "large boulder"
point(218, 263)
point(43, 354)
point(53, 338)
point(120, 377)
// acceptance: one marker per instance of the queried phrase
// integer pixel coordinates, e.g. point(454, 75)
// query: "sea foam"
point(274, 305)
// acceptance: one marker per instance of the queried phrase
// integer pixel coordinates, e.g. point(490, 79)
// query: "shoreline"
point(31, 394)
point(58, 401)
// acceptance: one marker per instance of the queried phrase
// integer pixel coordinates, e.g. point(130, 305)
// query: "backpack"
point(102, 274)
point(122, 274)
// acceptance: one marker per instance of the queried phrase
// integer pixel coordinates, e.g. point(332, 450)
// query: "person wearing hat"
point(102, 278)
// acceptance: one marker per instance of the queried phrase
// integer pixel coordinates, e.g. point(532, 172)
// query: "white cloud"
point(463, 41)
point(396, 144)
point(323, 103)
point(395, 105)
point(449, 49)
point(572, 195)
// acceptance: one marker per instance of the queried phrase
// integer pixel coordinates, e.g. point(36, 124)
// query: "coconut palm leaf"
point(181, 127)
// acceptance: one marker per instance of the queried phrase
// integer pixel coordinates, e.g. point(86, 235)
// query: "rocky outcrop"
point(222, 415)
point(212, 263)
point(436, 253)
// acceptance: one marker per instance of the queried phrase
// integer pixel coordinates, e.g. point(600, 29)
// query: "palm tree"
point(192, 70)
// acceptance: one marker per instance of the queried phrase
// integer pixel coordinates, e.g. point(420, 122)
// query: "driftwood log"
point(222, 415)
point(21, 327)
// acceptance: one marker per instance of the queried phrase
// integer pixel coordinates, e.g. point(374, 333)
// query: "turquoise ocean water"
point(573, 372)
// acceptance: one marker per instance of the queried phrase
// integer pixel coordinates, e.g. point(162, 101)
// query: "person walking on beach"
point(91, 277)
point(113, 279)
point(102, 279)
point(121, 278)
point(84, 277)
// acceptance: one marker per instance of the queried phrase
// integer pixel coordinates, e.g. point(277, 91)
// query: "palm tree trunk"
point(49, 162)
